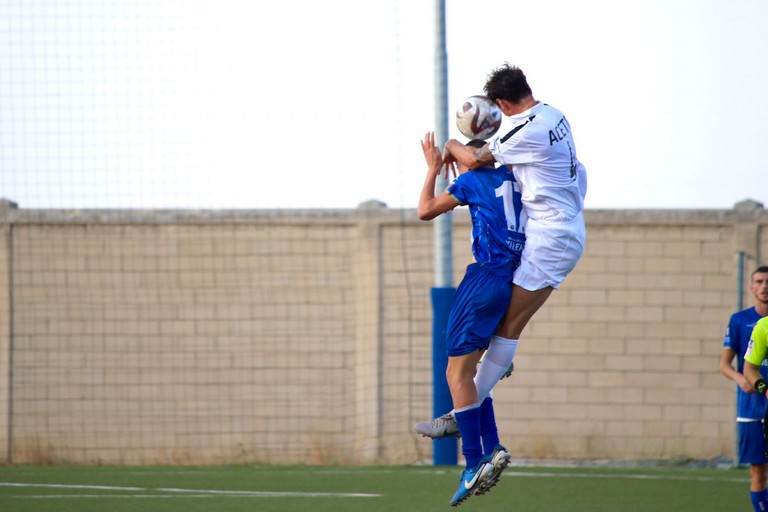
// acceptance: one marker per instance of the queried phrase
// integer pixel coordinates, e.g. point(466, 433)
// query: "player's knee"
point(457, 378)
point(452, 374)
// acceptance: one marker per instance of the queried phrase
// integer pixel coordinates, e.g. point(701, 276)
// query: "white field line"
point(170, 492)
point(627, 477)
point(109, 496)
point(207, 492)
point(428, 471)
point(546, 474)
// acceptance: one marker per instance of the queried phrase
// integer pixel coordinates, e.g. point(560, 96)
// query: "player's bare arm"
point(429, 205)
point(726, 368)
point(484, 155)
point(468, 156)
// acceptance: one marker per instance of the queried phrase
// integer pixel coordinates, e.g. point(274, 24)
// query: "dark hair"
point(507, 83)
point(477, 143)
point(762, 269)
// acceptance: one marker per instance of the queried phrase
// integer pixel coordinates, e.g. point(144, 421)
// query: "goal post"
point(445, 451)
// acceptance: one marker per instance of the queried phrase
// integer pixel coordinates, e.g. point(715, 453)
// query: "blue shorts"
point(751, 442)
point(481, 300)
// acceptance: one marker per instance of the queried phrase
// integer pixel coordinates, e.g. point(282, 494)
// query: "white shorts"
point(551, 251)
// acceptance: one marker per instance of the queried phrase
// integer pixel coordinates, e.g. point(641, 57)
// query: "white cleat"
point(444, 426)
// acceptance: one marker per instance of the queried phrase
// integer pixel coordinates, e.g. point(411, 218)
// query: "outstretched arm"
point(468, 156)
point(429, 205)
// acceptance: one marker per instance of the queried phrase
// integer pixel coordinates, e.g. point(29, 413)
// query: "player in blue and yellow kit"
point(757, 356)
point(482, 298)
point(750, 406)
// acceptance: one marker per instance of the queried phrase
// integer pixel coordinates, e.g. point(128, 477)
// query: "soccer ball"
point(478, 118)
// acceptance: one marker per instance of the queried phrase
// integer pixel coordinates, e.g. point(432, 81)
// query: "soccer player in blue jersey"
point(750, 406)
point(482, 297)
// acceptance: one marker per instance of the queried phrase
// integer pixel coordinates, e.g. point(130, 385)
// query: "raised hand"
point(431, 152)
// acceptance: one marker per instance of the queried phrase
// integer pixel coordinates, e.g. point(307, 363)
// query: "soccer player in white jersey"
point(541, 152)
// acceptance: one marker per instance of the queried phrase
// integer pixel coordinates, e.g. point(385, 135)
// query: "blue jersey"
point(498, 220)
point(748, 405)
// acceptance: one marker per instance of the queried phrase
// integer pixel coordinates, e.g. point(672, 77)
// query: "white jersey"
point(542, 155)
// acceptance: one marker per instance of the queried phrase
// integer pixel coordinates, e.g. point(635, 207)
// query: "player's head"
point(507, 83)
point(759, 284)
point(474, 143)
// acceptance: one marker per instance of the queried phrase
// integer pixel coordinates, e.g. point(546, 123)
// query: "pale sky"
point(307, 104)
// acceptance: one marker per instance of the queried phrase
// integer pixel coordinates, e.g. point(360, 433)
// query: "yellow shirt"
point(757, 349)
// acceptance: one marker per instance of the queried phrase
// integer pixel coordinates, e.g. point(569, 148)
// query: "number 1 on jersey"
point(507, 192)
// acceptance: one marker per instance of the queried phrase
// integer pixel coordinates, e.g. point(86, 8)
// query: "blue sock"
point(759, 500)
point(488, 431)
point(468, 420)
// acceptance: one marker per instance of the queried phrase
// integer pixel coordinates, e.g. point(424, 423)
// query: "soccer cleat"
point(499, 461)
point(506, 373)
point(509, 371)
point(444, 426)
point(471, 478)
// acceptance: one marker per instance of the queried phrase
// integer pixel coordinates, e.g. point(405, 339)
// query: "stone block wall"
point(198, 337)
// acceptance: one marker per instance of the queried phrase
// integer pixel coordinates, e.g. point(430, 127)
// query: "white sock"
point(498, 357)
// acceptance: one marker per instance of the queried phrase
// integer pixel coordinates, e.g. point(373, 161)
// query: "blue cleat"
point(499, 461)
point(470, 481)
